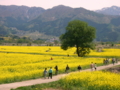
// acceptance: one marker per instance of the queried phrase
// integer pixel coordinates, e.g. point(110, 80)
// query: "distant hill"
point(12, 16)
point(114, 10)
point(52, 22)
point(20, 11)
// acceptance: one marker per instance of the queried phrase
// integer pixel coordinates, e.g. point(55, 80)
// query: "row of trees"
point(15, 40)
point(20, 40)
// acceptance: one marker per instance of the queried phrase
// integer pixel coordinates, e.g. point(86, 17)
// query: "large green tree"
point(78, 34)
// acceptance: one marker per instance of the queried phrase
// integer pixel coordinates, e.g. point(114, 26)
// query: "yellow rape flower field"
point(97, 80)
point(107, 53)
point(19, 63)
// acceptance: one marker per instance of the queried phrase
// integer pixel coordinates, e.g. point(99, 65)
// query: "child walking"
point(50, 73)
point(45, 73)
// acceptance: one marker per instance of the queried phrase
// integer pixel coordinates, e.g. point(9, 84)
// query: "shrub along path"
point(42, 80)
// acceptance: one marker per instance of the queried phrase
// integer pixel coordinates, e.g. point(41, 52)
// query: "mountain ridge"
point(16, 11)
point(53, 22)
point(113, 10)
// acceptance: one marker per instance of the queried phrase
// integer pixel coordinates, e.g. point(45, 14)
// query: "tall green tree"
point(78, 34)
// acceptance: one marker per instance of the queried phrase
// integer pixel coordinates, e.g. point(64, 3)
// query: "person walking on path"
point(95, 66)
point(67, 69)
point(45, 73)
point(56, 70)
point(91, 66)
point(113, 61)
point(50, 73)
point(79, 68)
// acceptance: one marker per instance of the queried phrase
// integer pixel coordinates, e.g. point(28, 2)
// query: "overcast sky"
point(87, 4)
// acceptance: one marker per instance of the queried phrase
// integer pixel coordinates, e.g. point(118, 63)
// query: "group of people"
point(108, 60)
point(93, 66)
point(50, 71)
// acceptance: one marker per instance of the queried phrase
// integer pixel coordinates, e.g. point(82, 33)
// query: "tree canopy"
point(78, 34)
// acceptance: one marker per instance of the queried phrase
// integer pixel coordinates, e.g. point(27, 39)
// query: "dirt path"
point(41, 80)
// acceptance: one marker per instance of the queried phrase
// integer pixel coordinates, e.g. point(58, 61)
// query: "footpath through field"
point(41, 80)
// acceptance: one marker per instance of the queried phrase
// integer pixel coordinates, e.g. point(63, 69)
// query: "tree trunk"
point(78, 53)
